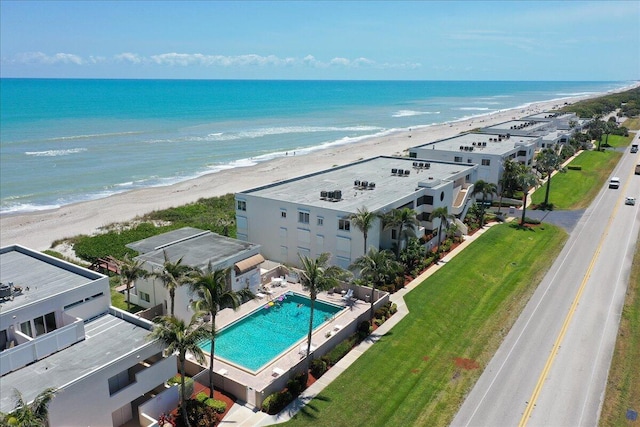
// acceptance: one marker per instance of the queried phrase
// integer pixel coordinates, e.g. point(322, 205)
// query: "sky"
point(328, 40)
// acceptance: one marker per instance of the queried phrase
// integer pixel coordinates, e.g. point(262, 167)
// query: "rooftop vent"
point(356, 183)
point(324, 195)
point(394, 171)
point(407, 172)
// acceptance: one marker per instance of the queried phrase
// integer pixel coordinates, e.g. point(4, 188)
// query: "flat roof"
point(305, 190)
point(549, 115)
point(107, 339)
point(202, 248)
point(512, 126)
point(43, 275)
point(495, 143)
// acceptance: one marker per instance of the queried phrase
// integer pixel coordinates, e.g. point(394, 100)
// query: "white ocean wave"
point(474, 108)
point(259, 133)
point(409, 113)
point(572, 94)
point(13, 208)
point(55, 153)
point(91, 136)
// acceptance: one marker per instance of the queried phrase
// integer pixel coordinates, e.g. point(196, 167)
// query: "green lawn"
point(617, 140)
point(575, 189)
point(623, 384)
point(463, 311)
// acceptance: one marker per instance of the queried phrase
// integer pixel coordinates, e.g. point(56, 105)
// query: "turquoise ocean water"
point(65, 140)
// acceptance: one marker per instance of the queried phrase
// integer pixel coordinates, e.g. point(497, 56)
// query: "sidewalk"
point(243, 416)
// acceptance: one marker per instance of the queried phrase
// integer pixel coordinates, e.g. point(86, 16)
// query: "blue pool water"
point(259, 337)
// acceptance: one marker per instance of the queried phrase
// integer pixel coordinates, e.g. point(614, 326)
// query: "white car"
point(630, 201)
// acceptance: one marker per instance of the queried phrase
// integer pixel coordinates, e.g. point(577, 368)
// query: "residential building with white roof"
point(487, 150)
point(308, 215)
point(198, 249)
point(57, 329)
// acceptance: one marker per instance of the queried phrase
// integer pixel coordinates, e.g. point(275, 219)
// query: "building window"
point(522, 153)
point(26, 328)
point(320, 221)
point(394, 234)
point(242, 205)
point(425, 200)
point(457, 159)
point(144, 296)
point(283, 214)
point(469, 161)
point(486, 162)
point(344, 224)
point(303, 217)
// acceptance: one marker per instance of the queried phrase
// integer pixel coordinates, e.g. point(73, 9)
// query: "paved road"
point(551, 369)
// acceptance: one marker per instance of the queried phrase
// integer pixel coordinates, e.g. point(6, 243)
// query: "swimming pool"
point(259, 337)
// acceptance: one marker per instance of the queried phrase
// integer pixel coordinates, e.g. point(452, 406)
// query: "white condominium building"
point(309, 214)
point(57, 329)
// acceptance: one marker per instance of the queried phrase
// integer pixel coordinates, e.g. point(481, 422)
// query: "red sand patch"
point(466, 364)
point(425, 358)
point(415, 371)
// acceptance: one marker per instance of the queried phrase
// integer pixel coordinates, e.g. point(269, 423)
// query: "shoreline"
point(38, 229)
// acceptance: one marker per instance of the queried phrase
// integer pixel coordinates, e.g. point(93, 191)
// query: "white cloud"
point(42, 58)
point(134, 58)
point(175, 59)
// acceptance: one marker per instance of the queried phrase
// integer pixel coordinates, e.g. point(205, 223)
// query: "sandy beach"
point(37, 230)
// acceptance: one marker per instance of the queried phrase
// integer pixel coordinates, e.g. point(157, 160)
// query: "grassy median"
point(420, 372)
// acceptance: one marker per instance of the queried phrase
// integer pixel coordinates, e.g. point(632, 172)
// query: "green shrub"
point(364, 329)
point(393, 308)
point(276, 402)
point(174, 380)
point(378, 322)
point(381, 313)
point(202, 396)
point(294, 387)
point(318, 368)
point(339, 351)
point(217, 405)
point(574, 167)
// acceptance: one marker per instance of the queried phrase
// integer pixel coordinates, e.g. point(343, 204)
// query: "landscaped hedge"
point(276, 402)
point(574, 167)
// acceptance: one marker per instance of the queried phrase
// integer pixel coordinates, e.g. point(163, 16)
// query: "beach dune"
point(38, 230)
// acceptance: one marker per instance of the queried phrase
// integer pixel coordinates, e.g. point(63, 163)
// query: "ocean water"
point(68, 140)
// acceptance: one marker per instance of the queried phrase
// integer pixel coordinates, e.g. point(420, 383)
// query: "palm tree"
point(486, 189)
point(213, 294)
point(511, 170)
point(373, 266)
point(441, 213)
point(547, 162)
point(179, 337)
point(173, 275)
point(130, 271)
point(406, 221)
point(32, 414)
point(317, 276)
point(527, 180)
point(363, 220)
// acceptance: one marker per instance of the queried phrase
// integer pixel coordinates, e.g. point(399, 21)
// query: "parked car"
point(634, 148)
point(629, 200)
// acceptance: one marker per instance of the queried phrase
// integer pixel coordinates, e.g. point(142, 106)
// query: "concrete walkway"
point(245, 416)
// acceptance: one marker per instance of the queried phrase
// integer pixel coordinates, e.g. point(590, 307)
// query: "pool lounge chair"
point(347, 297)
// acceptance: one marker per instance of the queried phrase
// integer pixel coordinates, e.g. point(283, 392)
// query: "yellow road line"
point(556, 345)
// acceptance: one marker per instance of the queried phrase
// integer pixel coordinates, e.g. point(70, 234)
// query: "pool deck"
point(243, 415)
point(281, 365)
